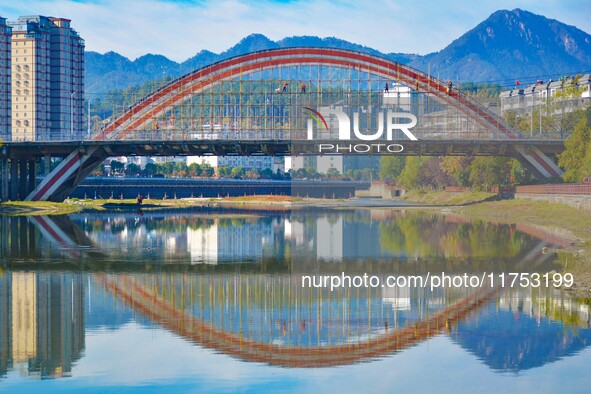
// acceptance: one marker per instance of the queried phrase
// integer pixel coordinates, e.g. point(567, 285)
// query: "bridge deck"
point(16, 150)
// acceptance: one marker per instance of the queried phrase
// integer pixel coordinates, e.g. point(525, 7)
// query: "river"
point(214, 300)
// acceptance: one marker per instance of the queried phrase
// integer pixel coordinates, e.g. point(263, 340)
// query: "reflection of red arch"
point(158, 310)
point(179, 90)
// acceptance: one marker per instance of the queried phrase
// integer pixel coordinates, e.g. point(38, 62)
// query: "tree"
point(150, 169)
point(238, 172)
point(332, 172)
point(411, 174)
point(267, 173)
point(117, 167)
point(489, 171)
point(253, 173)
point(180, 168)
point(132, 169)
point(457, 168)
point(224, 171)
point(311, 172)
point(194, 170)
point(519, 174)
point(576, 158)
point(207, 170)
point(432, 175)
point(391, 167)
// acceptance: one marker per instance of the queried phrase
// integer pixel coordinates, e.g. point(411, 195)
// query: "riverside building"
point(47, 79)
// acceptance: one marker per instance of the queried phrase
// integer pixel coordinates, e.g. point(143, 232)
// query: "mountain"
point(506, 46)
point(512, 44)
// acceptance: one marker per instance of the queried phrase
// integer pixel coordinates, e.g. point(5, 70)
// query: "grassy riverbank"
point(446, 198)
point(75, 205)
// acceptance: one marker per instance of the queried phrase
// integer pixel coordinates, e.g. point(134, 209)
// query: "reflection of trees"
point(424, 234)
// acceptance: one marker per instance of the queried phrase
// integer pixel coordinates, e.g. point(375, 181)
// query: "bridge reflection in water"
point(258, 311)
point(273, 319)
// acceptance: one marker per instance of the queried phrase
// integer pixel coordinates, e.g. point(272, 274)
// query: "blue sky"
point(180, 28)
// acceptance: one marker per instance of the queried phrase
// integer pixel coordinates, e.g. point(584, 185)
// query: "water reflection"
point(526, 329)
point(230, 284)
point(41, 323)
point(361, 241)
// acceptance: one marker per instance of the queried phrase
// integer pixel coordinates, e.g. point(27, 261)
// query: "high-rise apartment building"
point(5, 99)
point(47, 79)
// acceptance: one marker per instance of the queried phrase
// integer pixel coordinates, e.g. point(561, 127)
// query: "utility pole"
point(72, 115)
point(88, 116)
point(531, 118)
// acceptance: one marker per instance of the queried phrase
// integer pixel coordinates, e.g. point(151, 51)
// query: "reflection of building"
point(294, 232)
point(5, 316)
point(24, 317)
point(42, 324)
point(243, 239)
point(202, 245)
point(230, 240)
point(398, 297)
point(329, 238)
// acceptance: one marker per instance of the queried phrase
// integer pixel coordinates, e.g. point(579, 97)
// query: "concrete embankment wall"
point(575, 195)
point(579, 202)
point(182, 188)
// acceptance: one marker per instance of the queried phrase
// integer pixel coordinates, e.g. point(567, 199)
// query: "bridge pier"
point(13, 194)
point(32, 176)
point(4, 175)
point(17, 178)
point(22, 179)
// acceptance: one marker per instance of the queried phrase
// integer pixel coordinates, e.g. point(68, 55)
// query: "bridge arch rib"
point(188, 85)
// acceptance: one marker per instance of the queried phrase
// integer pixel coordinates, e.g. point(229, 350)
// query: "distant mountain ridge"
point(506, 45)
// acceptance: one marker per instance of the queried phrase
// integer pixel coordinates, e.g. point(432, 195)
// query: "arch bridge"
point(265, 103)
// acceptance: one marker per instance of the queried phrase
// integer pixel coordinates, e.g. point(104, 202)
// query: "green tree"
point(391, 167)
point(207, 170)
point(150, 169)
point(519, 174)
point(133, 169)
point(576, 158)
point(180, 166)
point(411, 174)
point(267, 173)
point(238, 172)
point(311, 172)
point(489, 171)
point(253, 173)
point(117, 167)
point(194, 169)
point(224, 171)
point(332, 172)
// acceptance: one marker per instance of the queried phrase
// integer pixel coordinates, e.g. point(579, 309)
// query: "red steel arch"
point(180, 322)
point(206, 77)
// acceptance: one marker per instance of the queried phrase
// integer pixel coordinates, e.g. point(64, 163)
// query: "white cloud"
point(178, 30)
